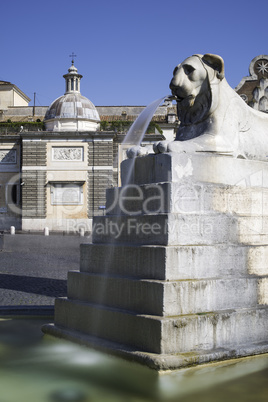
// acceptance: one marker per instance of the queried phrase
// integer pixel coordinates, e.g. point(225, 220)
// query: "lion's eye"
point(188, 69)
point(175, 70)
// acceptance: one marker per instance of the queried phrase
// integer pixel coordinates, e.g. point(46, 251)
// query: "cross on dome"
point(72, 56)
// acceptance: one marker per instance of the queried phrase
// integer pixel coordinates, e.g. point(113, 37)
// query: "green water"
point(34, 368)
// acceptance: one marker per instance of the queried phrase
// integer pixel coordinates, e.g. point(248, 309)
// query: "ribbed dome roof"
point(72, 106)
point(72, 111)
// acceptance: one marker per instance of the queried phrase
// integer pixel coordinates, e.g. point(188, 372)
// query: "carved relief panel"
point(68, 154)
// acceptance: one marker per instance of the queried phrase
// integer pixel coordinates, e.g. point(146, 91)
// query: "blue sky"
point(126, 50)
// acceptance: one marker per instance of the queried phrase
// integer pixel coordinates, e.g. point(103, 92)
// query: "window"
point(66, 194)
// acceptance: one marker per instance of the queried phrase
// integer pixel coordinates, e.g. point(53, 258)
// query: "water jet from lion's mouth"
point(138, 128)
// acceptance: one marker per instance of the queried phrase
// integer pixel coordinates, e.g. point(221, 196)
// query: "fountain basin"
point(174, 288)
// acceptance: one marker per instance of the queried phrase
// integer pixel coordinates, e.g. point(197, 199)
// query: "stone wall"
point(34, 180)
point(100, 158)
point(34, 153)
point(100, 153)
point(34, 194)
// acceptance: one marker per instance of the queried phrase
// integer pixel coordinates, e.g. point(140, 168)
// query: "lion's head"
point(191, 85)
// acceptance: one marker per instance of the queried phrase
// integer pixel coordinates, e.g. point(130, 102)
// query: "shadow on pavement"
point(36, 285)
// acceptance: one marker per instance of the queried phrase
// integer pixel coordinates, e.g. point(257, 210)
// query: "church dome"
point(72, 111)
point(72, 105)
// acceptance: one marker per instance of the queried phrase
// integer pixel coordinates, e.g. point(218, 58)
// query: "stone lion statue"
point(213, 117)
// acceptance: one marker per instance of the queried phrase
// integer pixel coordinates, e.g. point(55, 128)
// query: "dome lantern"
point(72, 80)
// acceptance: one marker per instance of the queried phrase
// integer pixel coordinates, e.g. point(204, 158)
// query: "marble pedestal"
point(178, 271)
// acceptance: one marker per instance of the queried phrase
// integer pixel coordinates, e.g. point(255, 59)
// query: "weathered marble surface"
point(213, 116)
point(177, 273)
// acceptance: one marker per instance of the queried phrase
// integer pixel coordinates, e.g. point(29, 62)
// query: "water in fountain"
point(137, 132)
point(138, 129)
point(47, 369)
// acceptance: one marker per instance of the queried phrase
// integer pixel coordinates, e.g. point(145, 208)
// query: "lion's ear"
point(216, 62)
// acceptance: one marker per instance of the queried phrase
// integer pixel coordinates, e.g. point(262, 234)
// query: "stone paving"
point(32, 277)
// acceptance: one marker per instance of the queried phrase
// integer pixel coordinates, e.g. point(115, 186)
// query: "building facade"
point(254, 88)
point(56, 177)
point(11, 96)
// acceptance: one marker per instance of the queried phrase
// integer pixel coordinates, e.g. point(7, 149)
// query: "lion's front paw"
point(160, 147)
point(168, 146)
point(133, 152)
point(176, 146)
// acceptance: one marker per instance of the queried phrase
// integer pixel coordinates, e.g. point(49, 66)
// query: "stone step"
point(166, 229)
point(159, 362)
point(185, 198)
point(196, 167)
point(165, 298)
point(253, 229)
point(174, 262)
point(178, 229)
point(190, 333)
